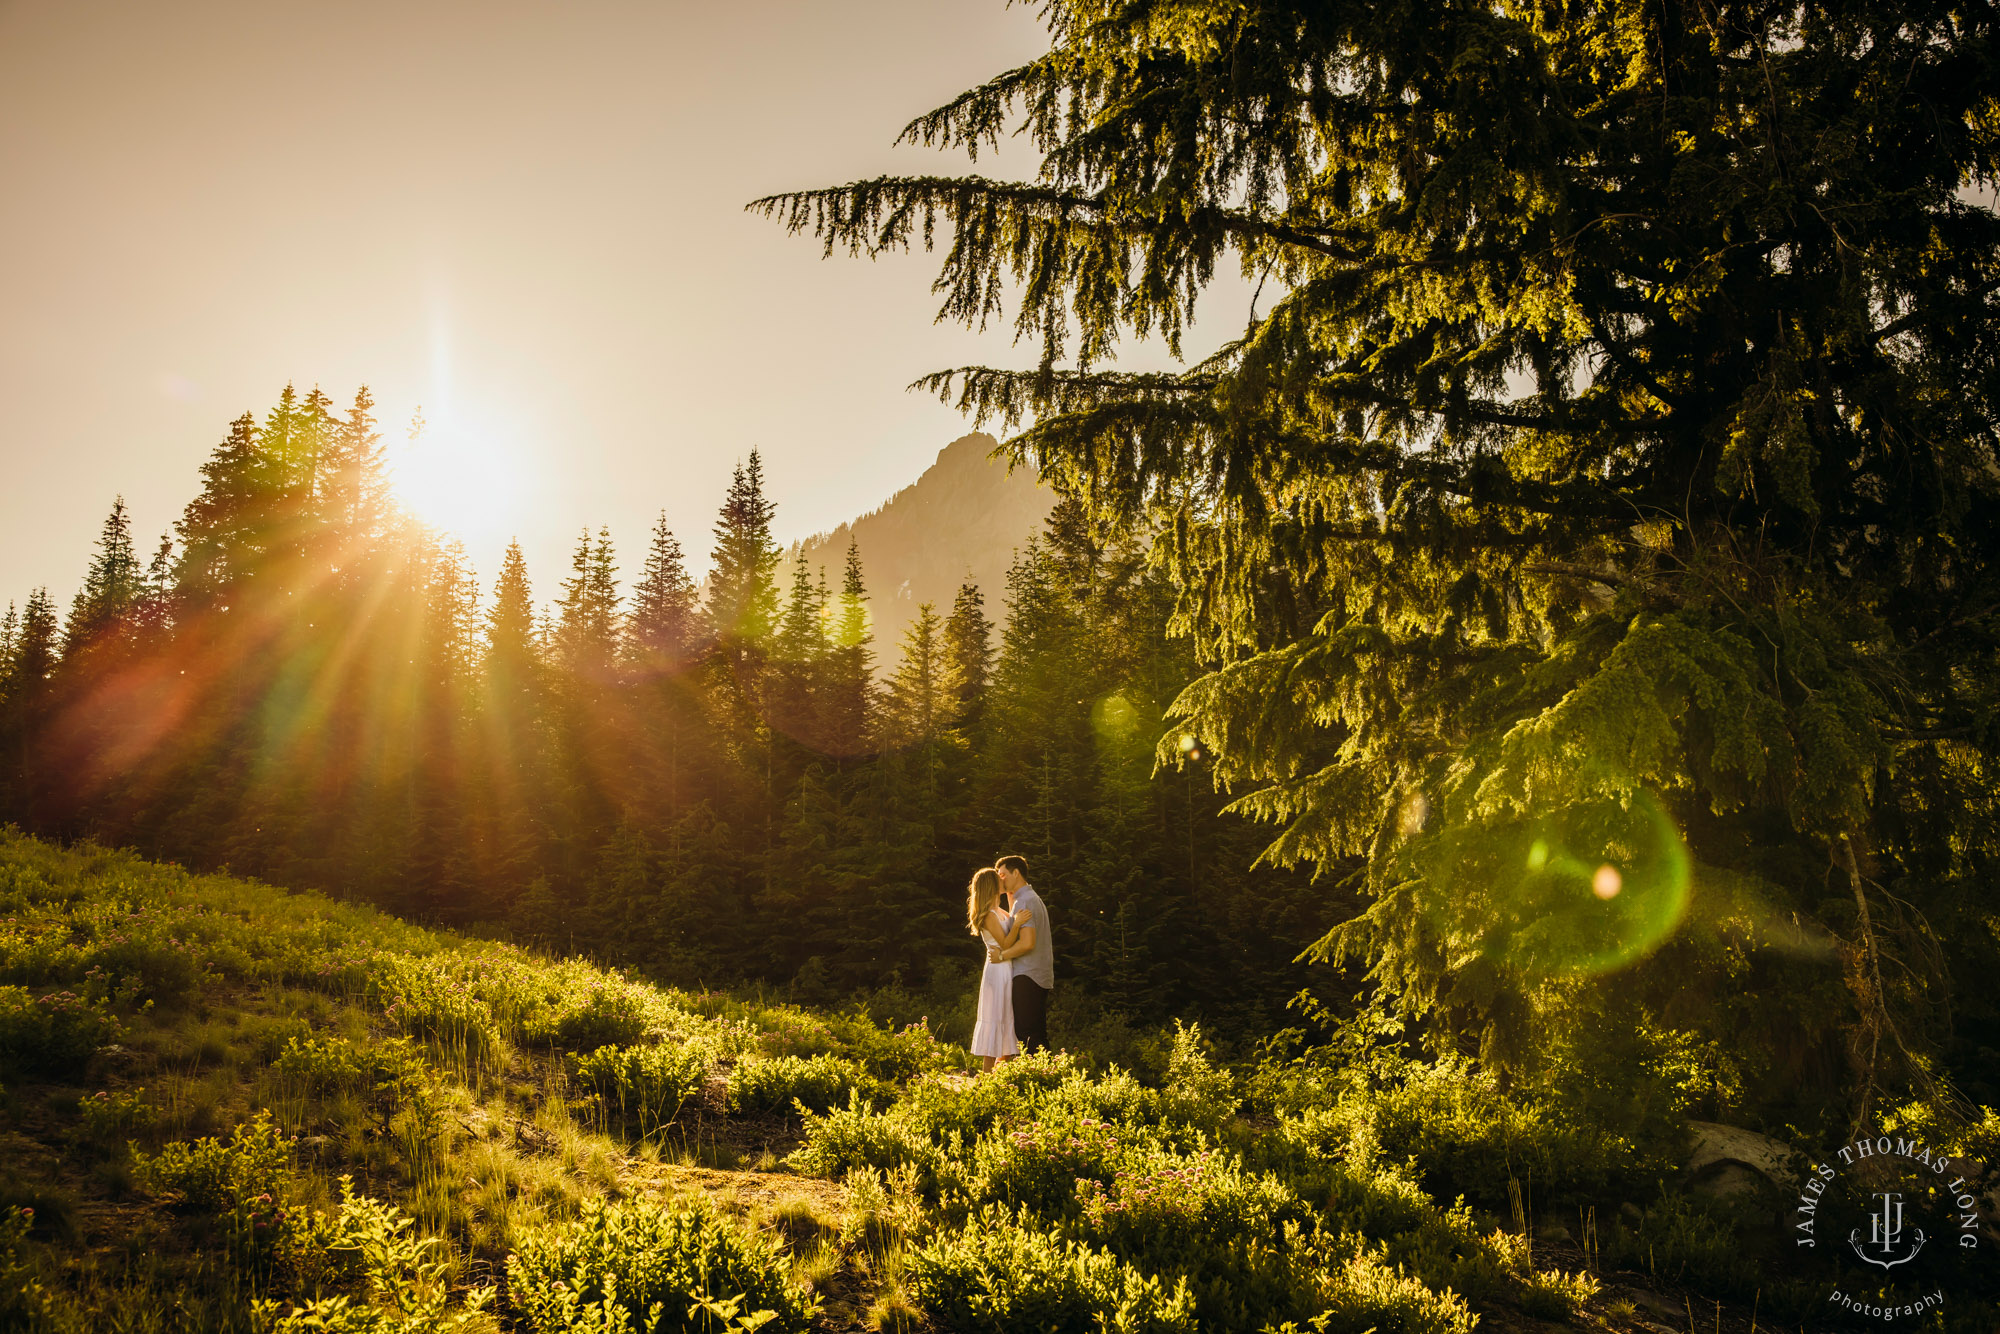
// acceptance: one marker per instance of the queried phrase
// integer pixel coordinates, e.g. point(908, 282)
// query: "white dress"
point(993, 1034)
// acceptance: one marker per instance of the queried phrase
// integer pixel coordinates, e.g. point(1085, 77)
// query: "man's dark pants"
point(1031, 1014)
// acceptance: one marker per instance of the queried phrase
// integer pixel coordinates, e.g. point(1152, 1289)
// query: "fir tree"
point(847, 683)
point(796, 652)
point(968, 655)
point(24, 698)
point(742, 588)
point(1577, 473)
point(220, 532)
point(586, 637)
point(111, 588)
point(354, 489)
point(154, 614)
point(510, 622)
point(512, 809)
point(918, 707)
point(665, 628)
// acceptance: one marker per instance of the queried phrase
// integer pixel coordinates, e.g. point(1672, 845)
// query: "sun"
point(461, 482)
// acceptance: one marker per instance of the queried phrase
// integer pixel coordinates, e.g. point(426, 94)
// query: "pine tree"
point(1580, 490)
point(24, 698)
point(796, 652)
point(354, 487)
point(512, 781)
point(35, 653)
point(154, 614)
point(511, 635)
point(665, 629)
point(586, 638)
point(742, 588)
point(847, 674)
point(918, 707)
point(111, 588)
point(968, 654)
point(220, 532)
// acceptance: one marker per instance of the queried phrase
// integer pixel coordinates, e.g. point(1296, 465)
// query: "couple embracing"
point(1003, 911)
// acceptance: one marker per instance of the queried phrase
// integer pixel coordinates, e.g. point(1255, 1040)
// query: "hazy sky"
point(526, 218)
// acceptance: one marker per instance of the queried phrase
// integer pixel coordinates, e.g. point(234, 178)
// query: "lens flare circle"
point(1586, 889)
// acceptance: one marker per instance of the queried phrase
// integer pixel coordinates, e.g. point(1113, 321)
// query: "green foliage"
point(25, 1303)
point(644, 1087)
point(659, 1264)
point(1465, 1137)
point(818, 1083)
point(55, 1031)
point(1684, 1239)
point(1366, 1295)
point(245, 1183)
point(1555, 1295)
point(995, 1274)
point(108, 1118)
point(854, 1137)
point(607, 1016)
point(406, 1288)
point(319, 1065)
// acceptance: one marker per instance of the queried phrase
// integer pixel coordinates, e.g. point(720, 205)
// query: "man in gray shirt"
point(1032, 954)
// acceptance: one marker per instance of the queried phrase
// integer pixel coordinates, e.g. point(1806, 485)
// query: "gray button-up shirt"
point(1038, 963)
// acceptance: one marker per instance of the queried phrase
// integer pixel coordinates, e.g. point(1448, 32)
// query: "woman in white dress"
point(993, 1034)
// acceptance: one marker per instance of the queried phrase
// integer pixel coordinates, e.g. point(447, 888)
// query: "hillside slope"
point(232, 1108)
point(961, 520)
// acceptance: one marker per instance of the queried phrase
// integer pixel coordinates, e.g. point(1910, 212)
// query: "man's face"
point(1011, 879)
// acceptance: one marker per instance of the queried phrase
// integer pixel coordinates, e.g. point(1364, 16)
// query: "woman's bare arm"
point(1012, 932)
point(1020, 939)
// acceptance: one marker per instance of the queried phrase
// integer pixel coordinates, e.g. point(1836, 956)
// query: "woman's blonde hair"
point(979, 897)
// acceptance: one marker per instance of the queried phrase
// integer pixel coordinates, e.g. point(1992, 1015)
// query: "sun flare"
point(465, 484)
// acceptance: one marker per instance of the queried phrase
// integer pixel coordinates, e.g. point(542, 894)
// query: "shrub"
point(856, 1136)
point(1466, 1137)
point(1553, 1295)
point(609, 1016)
point(819, 1082)
point(635, 1256)
point(893, 1054)
point(939, 1106)
point(51, 1033)
point(319, 1065)
point(1229, 1232)
point(1366, 1296)
point(1159, 1202)
point(1686, 1240)
point(25, 1303)
point(995, 1274)
point(427, 1000)
point(1195, 1093)
point(212, 1176)
point(406, 1288)
point(1040, 1165)
point(647, 1086)
point(788, 1031)
point(245, 1182)
point(109, 1118)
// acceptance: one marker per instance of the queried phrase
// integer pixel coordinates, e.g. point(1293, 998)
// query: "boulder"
point(1729, 1161)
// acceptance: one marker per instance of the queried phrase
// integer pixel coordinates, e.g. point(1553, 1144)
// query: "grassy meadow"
point(231, 1107)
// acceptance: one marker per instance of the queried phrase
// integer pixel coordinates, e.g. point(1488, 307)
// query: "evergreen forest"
point(725, 784)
